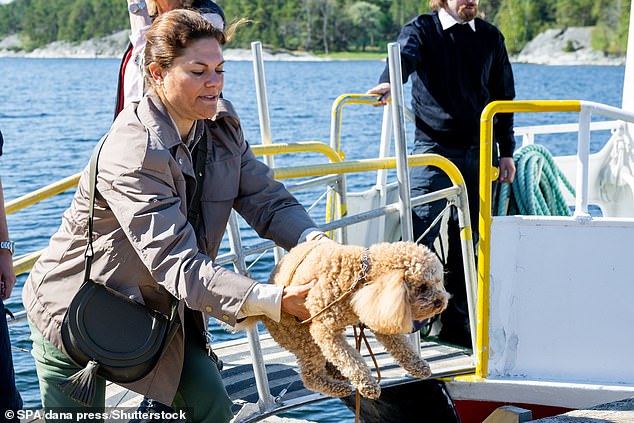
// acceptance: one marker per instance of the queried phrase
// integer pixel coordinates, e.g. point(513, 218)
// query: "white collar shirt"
point(447, 21)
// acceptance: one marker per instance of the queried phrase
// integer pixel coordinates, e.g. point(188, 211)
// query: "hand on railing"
point(383, 91)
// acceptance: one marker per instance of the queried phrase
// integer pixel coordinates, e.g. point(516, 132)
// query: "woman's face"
point(191, 87)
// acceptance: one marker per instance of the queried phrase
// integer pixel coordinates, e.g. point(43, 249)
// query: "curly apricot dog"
point(403, 282)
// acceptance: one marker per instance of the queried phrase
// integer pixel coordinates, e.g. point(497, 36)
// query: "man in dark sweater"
point(458, 65)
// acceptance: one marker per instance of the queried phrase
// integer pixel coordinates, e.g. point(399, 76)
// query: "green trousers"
point(200, 393)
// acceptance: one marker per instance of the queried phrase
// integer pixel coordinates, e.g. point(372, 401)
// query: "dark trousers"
point(9, 396)
point(425, 179)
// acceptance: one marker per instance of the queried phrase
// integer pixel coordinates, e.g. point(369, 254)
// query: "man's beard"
point(467, 13)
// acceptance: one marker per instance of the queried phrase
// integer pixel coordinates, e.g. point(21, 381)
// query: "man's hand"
point(383, 90)
point(293, 298)
point(507, 170)
point(7, 275)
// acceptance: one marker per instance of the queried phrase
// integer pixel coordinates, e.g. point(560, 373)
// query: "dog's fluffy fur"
point(404, 283)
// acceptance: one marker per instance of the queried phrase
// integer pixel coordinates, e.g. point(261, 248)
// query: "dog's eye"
point(421, 289)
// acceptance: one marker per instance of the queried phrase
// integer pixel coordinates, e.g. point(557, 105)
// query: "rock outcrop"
point(571, 46)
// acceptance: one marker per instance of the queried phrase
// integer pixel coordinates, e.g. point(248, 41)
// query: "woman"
point(144, 243)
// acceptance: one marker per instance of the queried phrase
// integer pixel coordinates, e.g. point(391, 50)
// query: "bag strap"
point(93, 170)
point(94, 159)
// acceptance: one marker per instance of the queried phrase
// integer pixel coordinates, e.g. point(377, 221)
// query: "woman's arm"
point(7, 275)
point(267, 206)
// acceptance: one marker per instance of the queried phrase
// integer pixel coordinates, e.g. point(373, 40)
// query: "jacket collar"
point(154, 116)
point(225, 110)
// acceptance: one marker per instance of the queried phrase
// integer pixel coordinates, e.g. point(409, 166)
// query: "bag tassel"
point(81, 385)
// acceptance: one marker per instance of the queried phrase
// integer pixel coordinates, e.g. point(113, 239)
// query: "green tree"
point(575, 13)
point(322, 25)
point(519, 22)
point(611, 32)
point(366, 21)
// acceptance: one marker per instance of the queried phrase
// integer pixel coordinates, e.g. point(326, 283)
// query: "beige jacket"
point(144, 245)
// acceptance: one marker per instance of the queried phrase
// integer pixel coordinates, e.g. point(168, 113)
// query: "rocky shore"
point(571, 46)
point(564, 47)
point(114, 45)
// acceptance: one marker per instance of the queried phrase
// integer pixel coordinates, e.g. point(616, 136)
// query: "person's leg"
point(201, 392)
point(455, 319)
point(53, 366)
point(9, 396)
point(423, 180)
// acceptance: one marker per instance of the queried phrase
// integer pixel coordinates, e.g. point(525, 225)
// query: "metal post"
point(384, 148)
point(266, 400)
point(400, 149)
point(400, 141)
point(468, 263)
point(262, 98)
point(381, 175)
point(583, 152)
point(263, 111)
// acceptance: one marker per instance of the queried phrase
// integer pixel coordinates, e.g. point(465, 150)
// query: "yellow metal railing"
point(336, 112)
point(298, 147)
point(259, 150)
point(336, 117)
point(42, 194)
point(366, 165)
point(24, 264)
point(488, 174)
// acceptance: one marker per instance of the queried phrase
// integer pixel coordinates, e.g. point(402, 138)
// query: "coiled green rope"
point(536, 188)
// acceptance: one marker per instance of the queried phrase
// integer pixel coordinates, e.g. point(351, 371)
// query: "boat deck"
point(284, 380)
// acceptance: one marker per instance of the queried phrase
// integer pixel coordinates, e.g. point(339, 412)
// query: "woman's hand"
point(293, 298)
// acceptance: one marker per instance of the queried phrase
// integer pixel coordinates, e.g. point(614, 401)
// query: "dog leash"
point(365, 267)
point(357, 341)
point(299, 263)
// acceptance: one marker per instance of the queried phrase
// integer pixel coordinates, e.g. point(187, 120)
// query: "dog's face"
point(406, 284)
point(425, 285)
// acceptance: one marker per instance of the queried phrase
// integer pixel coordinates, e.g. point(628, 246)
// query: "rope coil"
point(536, 189)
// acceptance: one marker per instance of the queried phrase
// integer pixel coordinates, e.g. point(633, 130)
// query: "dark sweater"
point(456, 73)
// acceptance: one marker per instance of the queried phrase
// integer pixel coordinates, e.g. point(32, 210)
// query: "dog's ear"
point(383, 304)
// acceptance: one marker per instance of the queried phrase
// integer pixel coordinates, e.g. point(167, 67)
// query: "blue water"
point(52, 111)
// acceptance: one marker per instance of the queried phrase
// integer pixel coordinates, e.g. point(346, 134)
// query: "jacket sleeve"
point(148, 209)
point(410, 42)
point(502, 87)
point(265, 203)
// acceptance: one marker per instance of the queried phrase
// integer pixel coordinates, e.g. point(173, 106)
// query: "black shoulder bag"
point(107, 333)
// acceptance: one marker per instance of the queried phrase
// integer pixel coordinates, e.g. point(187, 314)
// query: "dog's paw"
point(370, 390)
point(420, 369)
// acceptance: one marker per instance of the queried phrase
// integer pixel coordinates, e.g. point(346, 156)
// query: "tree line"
point(323, 26)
